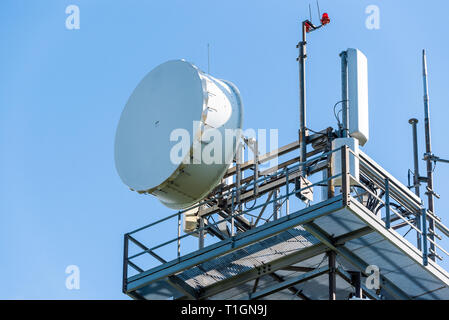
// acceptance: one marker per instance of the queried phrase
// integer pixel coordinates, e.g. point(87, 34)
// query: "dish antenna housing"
point(176, 105)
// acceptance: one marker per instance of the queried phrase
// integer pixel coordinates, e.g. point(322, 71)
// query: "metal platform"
point(313, 253)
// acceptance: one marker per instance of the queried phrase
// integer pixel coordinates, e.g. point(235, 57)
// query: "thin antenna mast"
point(416, 176)
point(310, 13)
point(318, 8)
point(306, 27)
point(430, 193)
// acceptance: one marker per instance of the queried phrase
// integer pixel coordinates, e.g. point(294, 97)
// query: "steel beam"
point(347, 277)
point(240, 240)
point(332, 276)
point(284, 263)
point(292, 289)
point(183, 287)
point(353, 259)
point(288, 283)
point(254, 273)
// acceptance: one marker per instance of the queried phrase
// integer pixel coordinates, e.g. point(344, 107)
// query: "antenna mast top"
point(307, 26)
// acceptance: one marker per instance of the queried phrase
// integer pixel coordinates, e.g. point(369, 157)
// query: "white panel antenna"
point(358, 95)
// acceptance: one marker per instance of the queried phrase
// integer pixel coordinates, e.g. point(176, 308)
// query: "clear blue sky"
point(62, 92)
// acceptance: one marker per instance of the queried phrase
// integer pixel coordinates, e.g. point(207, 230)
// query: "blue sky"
point(62, 92)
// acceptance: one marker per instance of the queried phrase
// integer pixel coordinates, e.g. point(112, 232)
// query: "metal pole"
point(256, 167)
point(344, 93)
point(179, 235)
point(416, 184)
point(387, 203)
point(424, 235)
point(238, 171)
point(328, 173)
point(232, 216)
point(302, 98)
point(332, 275)
point(413, 122)
point(356, 279)
point(125, 263)
point(428, 152)
point(276, 204)
point(345, 182)
point(201, 234)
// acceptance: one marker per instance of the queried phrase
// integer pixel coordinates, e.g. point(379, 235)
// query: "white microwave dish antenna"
point(176, 97)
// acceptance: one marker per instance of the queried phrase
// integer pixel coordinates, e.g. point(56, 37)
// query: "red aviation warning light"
point(309, 26)
point(325, 19)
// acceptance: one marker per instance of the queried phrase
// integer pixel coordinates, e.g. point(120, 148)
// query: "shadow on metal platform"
point(286, 259)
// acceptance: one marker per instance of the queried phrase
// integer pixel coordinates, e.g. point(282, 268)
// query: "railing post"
point(238, 174)
point(424, 236)
point(275, 204)
point(418, 235)
point(232, 215)
point(332, 275)
point(345, 183)
point(256, 167)
point(387, 203)
point(330, 169)
point(287, 190)
point(125, 263)
point(201, 234)
point(179, 235)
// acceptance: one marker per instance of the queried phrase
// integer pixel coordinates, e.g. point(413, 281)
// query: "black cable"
point(336, 115)
point(323, 134)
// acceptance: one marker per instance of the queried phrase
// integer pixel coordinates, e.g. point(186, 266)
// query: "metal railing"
point(394, 203)
point(401, 206)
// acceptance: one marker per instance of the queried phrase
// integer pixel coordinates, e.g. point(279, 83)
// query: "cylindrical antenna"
point(306, 26)
point(429, 181)
point(344, 93)
point(416, 184)
point(302, 97)
point(416, 176)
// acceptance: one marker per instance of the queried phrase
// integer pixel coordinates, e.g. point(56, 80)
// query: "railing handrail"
point(394, 190)
point(231, 217)
point(253, 182)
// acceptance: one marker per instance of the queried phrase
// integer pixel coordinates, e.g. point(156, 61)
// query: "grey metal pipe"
point(332, 275)
point(276, 204)
point(302, 98)
point(416, 182)
point(429, 181)
point(356, 279)
point(344, 93)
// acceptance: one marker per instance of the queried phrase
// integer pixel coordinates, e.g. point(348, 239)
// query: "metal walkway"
point(308, 253)
point(227, 269)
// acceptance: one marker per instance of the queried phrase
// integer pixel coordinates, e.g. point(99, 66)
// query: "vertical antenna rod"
point(307, 26)
point(429, 181)
point(344, 93)
point(302, 96)
point(416, 176)
point(413, 122)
